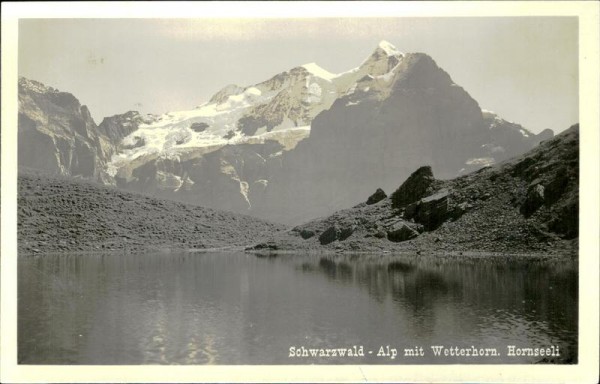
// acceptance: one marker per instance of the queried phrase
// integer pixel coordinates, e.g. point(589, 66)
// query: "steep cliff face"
point(57, 134)
point(379, 131)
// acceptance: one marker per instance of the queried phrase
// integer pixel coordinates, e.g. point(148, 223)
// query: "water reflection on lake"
point(224, 308)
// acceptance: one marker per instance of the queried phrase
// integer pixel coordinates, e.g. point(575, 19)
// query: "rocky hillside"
point(528, 204)
point(58, 214)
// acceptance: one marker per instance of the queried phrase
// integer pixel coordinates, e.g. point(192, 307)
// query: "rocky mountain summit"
point(528, 204)
point(299, 145)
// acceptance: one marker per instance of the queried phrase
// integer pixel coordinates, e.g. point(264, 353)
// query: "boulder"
point(306, 233)
point(433, 210)
point(376, 197)
point(418, 185)
point(401, 231)
point(330, 235)
point(346, 232)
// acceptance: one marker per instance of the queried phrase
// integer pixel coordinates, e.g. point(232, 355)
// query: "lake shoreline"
point(363, 254)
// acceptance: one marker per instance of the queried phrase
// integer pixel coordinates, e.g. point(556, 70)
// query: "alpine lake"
point(235, 308)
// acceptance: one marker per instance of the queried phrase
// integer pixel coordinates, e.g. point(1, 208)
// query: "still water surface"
point(228, 308)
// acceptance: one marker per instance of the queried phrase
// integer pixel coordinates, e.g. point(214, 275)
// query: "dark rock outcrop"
point(330, 235)
point(118, 126)
point(418, 184)
point(306, 234)
point(431, 211)
point(199, 127)
point(401, 232)
point(376, 197)
point(346, 232)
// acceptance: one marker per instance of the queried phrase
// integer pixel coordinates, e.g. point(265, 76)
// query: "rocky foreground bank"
point(526, 205)
point(58, 214)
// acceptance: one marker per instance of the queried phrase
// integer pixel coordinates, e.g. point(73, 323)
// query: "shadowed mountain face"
point(381, 131)
point(299, 145)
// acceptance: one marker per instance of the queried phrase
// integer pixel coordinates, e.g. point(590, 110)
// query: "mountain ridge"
point(284, 124)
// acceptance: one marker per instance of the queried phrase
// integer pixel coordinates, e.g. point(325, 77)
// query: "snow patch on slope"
point(316, 70)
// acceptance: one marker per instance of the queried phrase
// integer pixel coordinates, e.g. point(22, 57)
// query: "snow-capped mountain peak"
point(275, 108)
point(388, 48)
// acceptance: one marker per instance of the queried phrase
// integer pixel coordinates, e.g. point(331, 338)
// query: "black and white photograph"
point(317, 194)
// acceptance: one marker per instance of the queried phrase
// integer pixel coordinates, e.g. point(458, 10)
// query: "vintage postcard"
point(300, 192)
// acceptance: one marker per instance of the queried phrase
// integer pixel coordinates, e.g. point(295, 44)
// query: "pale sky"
point(523, 68)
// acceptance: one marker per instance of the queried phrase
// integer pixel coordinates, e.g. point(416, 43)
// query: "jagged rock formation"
point(420, 183)
point(58, 135)
point(528, 204)
point(117, 127)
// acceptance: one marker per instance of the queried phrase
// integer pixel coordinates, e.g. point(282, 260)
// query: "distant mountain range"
point(297, 146)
